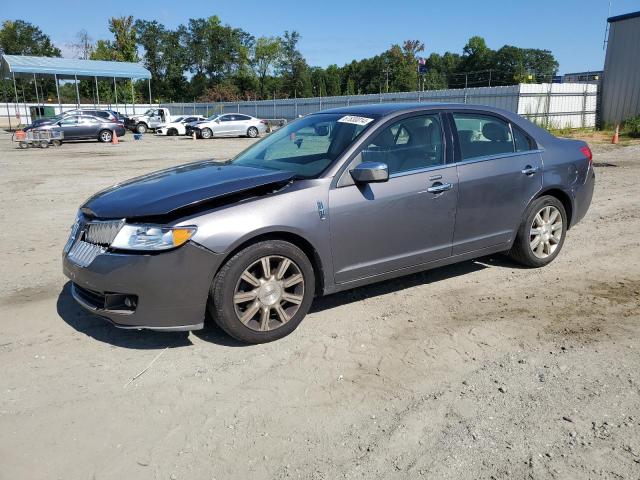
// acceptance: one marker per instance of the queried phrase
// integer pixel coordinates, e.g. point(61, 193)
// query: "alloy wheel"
point(105, 136)
point(546, 232)
point(269, 293)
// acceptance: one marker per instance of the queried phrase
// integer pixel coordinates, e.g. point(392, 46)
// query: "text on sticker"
point(355, 120)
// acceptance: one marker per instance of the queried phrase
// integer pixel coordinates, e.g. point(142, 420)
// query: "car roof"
point(383, 109)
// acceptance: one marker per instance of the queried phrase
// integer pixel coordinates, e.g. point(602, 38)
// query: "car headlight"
point(151, 237)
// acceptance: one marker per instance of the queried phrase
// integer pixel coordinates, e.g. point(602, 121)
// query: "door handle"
point(529, 170)
point(439, 187)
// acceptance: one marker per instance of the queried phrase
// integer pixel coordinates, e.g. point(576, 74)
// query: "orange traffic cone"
point(114, 138)
point(616, 135)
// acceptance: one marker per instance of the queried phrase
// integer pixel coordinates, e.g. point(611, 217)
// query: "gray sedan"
point(84, 127)
point(228, 125)
point(335, 200)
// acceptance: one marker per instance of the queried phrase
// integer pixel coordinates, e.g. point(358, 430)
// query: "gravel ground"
point(476, 371)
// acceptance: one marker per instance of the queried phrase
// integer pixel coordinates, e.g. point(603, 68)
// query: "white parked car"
point(229, 125)
point(178, 125)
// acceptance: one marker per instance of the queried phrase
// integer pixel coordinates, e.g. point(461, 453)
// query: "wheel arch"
point(563, 197)
point(299, 241)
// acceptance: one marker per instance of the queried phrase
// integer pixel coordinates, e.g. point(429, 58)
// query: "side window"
point(520, 140)
point(242, 117)
point(69, 120)
point(481, 135)
point(409, 144)
point(226, 118)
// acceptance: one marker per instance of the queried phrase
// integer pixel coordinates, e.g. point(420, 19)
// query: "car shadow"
point(413, 280)
point(100, 329)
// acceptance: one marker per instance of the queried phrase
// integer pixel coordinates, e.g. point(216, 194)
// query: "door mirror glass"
point(322, 130)
point(370, 172)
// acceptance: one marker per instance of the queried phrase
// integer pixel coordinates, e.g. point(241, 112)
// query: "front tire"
point(141, 128)
point(252, 132)
point(541, 234)
point(172, 132)
point(263, 292)
point(105, 136)
point(206, 133)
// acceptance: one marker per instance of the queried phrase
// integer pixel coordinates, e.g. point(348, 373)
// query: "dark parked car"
point(104, 114)
point(334, 200)
point(120, 117)
point(82, 127)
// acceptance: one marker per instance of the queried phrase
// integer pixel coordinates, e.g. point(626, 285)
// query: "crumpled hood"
point(166, 191)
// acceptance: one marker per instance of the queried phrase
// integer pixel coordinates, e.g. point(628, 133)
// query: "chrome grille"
point(83, 253)
point(102, 232)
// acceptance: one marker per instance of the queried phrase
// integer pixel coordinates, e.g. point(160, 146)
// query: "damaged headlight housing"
point(151, 237)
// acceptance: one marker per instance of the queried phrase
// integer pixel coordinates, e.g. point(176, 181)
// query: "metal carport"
point(69, 68)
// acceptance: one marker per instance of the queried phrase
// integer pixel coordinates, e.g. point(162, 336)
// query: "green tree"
point(18, 37)
point(164, 57)
point(124, 43)
point(293, 67)
point(266, 54)
point(333, 81)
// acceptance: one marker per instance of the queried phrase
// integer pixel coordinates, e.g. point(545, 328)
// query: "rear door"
point(499, 172)
point(88, 127)
point(241, 124)
point(406, 221)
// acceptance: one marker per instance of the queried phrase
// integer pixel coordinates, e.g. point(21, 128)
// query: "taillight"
point(586, 151)
point(264, 121)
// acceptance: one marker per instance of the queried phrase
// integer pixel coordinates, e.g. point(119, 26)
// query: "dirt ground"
point(482, 370)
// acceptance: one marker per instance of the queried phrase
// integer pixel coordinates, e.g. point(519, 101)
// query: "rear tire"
point(141, 128)
point(252, 132)
point(541, 234)
point(172, 132)
point(105, 136)
point(279, 300)
point(206, 133)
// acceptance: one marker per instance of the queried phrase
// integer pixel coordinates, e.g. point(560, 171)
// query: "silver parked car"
point(228, 125)
point(334, 200)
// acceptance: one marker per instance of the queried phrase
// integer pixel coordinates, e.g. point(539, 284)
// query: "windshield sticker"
point(356, 120)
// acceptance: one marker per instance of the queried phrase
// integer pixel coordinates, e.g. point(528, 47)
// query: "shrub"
point(632, 126)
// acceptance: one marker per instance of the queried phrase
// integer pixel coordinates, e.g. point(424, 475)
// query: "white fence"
point(565, 105)
point(20, 114)
point(570, 105)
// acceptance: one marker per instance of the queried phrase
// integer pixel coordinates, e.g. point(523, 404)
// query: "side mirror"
point(217, 120)
point(370, 172)
point(59, 123)
point(322, 130)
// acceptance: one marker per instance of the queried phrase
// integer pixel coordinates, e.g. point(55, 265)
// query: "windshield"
point(178, 120)
point(307, 146)
point(150, 113)
point(211, 118)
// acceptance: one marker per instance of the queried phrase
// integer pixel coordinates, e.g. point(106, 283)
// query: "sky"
point(338, 31)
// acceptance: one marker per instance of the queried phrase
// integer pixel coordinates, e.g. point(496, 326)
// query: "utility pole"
point(387, 79)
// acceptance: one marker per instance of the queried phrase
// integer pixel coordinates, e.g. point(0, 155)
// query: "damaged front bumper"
point(160, 291)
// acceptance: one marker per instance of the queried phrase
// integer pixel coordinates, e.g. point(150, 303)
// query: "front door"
point(70, 128)
point(223, 126)
point(500, 171)
point(406, 221)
